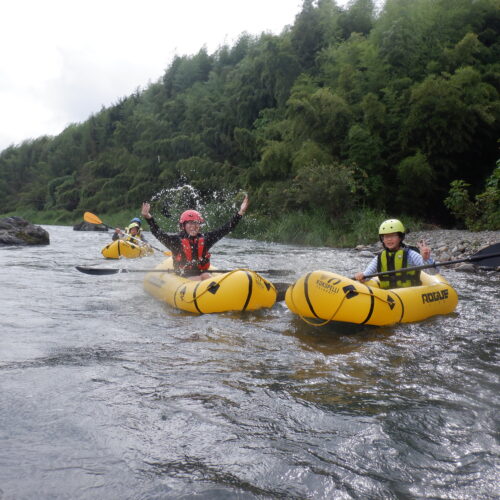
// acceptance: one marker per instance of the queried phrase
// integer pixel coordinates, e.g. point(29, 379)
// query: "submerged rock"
point(87, 226)
point(18, 231)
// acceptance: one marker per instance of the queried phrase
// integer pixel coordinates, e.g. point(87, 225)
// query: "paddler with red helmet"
point(190, 247)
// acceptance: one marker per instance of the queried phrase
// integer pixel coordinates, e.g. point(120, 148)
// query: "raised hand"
point(425, 250)
point(244, 205)
point(146, 207)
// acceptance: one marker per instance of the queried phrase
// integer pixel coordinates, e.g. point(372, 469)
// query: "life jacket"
point(194, 256)
point(390, 261)
point(133, 239)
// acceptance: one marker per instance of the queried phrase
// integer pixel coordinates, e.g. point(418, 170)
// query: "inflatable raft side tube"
point(306, 294)
point(402, 306)
point(195, 299)
point(175, 295)
point(250, 287)
point(372, 305)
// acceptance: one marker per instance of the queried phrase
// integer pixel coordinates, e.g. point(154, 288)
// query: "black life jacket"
point(390, 261)
point(193, 257)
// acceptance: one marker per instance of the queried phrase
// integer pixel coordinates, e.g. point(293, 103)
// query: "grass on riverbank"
point(316, 229)
point(299, 228)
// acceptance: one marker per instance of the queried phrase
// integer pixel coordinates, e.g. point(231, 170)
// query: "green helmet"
point(391, 226)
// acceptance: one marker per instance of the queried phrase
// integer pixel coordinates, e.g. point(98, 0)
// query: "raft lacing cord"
point(336, 311)
point(218, 283)
point(305, 320)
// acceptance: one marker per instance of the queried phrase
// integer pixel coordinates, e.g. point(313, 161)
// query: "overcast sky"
point(62, 60)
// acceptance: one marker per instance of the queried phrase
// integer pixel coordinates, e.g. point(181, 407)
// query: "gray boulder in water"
point(18, 231)
point(87, 226)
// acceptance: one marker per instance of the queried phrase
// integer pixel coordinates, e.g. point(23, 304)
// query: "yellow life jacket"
point(133, 239)
point(390, 261)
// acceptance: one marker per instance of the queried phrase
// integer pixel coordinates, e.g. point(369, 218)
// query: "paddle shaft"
point(93, 219)
point(472, 258)
point(281, 288)
point(101, 271)
point(144, 243)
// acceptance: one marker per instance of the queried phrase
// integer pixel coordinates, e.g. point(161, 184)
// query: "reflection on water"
point(336, 337)
point(106, 393)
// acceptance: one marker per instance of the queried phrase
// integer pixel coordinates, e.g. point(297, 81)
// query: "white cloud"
point(61, 61)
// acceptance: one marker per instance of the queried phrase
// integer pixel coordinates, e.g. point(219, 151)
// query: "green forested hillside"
point(347, 110)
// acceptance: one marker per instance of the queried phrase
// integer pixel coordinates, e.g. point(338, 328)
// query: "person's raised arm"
point(145, 211)
point(244, 205)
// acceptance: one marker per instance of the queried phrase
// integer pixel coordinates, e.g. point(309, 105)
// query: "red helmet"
point(191, 215)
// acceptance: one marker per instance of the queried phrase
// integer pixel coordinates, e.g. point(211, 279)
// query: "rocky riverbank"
point(446, 244)
point(18, 231)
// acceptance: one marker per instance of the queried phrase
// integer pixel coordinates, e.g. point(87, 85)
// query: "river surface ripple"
point(108, 393)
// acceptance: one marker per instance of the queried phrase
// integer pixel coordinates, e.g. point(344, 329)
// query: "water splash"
point(216, 207)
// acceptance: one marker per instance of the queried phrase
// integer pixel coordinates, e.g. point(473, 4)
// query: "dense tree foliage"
point(484, 211)
point(348, 107)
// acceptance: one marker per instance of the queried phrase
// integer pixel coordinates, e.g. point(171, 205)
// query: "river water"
point(108, 393)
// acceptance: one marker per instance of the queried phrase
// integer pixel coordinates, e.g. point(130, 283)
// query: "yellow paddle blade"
point(168, 253)
point(92, 218)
